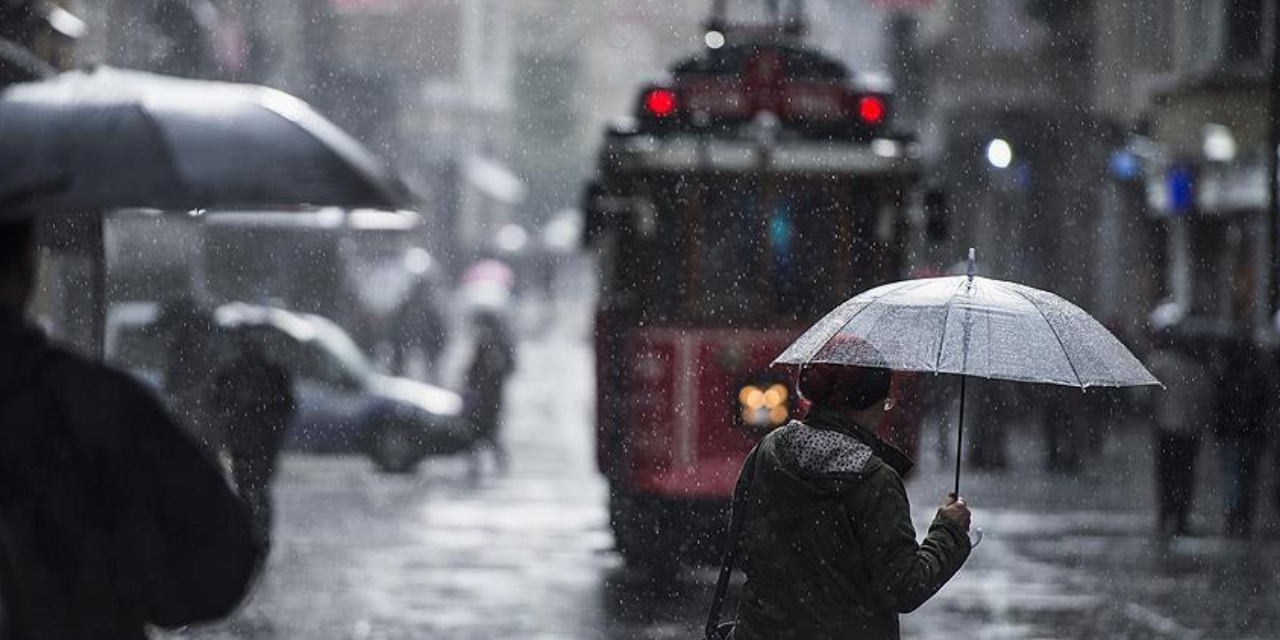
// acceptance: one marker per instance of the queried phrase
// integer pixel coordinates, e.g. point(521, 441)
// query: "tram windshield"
point(745, 250)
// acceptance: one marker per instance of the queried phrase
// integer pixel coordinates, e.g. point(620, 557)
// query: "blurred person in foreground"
point(1181, 414)
point(1242, 430)
point(827, 544)
point(492, 362)
point(119, 519)
point(253, 399)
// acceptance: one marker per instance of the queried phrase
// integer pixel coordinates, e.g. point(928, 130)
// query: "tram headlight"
point(776, 396)
point(762, 407)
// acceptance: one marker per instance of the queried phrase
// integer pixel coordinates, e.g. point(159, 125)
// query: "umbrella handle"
point(959, 437)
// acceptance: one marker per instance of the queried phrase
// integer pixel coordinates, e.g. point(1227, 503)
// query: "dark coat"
point(121, 519)
point(492, 362)
point(828, 545)
point(1243, 394)
point(253, 399)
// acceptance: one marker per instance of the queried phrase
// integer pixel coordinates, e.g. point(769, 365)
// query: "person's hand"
point(955, 510)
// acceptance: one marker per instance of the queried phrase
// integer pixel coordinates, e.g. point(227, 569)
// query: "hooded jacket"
point(827, 544)
point(113, 518)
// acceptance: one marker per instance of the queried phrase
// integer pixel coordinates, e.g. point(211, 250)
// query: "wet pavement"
point(528, 555)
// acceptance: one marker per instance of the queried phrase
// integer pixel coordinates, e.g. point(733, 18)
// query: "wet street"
point(528, 554)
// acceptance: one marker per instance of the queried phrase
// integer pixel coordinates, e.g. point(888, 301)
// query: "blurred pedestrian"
point(420, 329)
point(1181, 414)
point(1064, 430)
point(1241, 429)
point(122, 520)
point(492, 362)
point(253, 397)
point(827, 541)
point(188, 329)
point(991, 404)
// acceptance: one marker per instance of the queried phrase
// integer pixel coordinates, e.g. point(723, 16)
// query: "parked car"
point(344, 403)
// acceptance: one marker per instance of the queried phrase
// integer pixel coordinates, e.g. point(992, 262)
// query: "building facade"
point(1137, 134)
point(1187, 83)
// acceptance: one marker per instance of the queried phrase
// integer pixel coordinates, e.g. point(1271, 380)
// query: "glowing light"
point(417, 261)
point(512, 238)
point(660, 102)
point(714, 39)
point(999, 154)
point(1219, 143)
point(776, 396)
point(885, 148)
point(778, 415)
point(871, 109)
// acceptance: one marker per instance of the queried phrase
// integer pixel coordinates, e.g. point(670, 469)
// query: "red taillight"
point(660, 102)
point(871, 109)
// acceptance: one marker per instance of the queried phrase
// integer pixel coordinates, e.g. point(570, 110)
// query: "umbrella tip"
point(972, 259)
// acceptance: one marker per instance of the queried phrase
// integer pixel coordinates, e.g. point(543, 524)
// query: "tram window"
point(730, 250)
point(801, 247)
point(645, 272)
point(743, 265)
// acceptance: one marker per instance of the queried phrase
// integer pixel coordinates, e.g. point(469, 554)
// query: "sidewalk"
point(1073, 556)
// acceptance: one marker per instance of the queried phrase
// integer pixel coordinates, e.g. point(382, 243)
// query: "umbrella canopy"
point(971, 326)
point(98, 139)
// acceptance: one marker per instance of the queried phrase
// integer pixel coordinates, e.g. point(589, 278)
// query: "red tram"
point(755, 189)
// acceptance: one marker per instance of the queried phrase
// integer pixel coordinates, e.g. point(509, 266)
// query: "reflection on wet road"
point(528, 555)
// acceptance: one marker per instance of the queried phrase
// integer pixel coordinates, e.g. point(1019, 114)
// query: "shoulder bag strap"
point(745, 478)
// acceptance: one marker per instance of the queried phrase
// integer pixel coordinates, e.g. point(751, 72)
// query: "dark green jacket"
point(827, 543)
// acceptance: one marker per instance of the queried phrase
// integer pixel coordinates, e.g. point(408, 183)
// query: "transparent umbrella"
point(970, 326)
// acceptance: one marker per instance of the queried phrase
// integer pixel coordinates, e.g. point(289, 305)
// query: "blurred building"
point(1196, 85)
point(425, 84)
point(1056, 128)
point(445, 67)
point(578, 66)
point(1004, 108)
point(1130, 160)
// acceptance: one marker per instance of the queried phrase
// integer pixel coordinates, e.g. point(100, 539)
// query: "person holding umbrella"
point(827, 542)
point(119, 519)
point(828, 548)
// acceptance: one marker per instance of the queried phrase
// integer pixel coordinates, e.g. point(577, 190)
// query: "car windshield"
point(340, 349)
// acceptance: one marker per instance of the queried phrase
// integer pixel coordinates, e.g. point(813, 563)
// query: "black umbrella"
point(103, 138)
